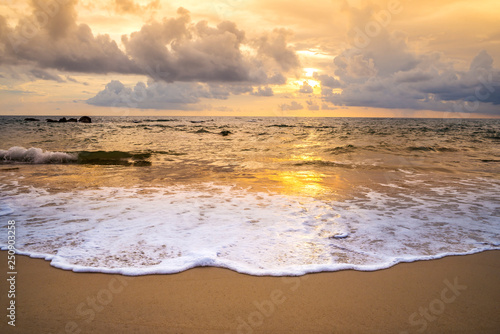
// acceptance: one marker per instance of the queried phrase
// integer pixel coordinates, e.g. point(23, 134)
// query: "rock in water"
point(63, 120)
point(72, 120)
point(85, 119)
point(225, 132)
point(31, 119)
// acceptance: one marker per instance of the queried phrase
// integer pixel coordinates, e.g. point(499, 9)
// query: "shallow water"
point(277, 196)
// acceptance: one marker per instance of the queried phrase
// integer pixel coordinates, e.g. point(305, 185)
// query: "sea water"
point(276, 196)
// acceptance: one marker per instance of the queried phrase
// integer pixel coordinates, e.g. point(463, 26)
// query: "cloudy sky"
point(403, 58)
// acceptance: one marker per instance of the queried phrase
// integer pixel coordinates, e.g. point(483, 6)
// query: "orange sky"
point(250, 57)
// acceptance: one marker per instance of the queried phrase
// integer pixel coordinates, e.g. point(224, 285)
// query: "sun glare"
point(300, 182)
point(309, 71)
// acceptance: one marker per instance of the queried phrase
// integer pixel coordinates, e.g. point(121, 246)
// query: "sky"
point(338, 58)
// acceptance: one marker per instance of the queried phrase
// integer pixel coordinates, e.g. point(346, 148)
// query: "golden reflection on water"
point(331, 184)
point(304, 157)
point(305, 183)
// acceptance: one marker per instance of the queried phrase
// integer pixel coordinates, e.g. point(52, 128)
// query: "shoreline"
point(454, 294)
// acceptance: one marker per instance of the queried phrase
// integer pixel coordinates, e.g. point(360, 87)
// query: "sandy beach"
point(459, 294)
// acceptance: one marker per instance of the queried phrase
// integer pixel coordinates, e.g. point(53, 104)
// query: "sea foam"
point(136, 231)
point(35, 155)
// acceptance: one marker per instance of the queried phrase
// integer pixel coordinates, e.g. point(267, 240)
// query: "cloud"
point(44, 75)
point(276, 79)
point(50, 39)
point(327, 80)
point(306, 88)
point(387, 73)
point(325, 106)
point(18, 92)
point(311, 105)
point(274, 46)
point(266, 91)
point(158, 95)
point(294, 105)
point(199, 53)
point(428, 88)
point(130, 7)
point(175, 49)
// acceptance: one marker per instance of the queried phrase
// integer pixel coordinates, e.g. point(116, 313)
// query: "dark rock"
point(63, 120)
point(202, 131)
point(85, 119)
point(72, 120)
point(31, 119)
point(225, 133)
point(51, 121)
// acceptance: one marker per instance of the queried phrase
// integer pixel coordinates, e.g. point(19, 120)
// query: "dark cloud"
point(50, 38)
point(277, 79)
point(427, 88)
point(385, 73)
point(327, 80)
point(412, 76)
point(197, 52)
point(174, 49)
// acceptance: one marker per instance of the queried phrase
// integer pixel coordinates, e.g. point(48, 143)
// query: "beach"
point(457, 294)
point(242, 167)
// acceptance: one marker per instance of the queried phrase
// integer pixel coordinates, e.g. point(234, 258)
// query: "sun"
point(309, 71)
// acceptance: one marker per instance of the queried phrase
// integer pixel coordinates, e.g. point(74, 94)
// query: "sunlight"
point(310, 82)
point(306, 183)
point(309, 71)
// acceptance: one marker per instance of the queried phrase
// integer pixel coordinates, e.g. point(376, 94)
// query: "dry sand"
point(459, 294)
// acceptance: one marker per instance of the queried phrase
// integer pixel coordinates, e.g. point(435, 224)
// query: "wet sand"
point(459, 294)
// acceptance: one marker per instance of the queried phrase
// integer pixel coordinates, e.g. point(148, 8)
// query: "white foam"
point(167, 230)
point(35, 155)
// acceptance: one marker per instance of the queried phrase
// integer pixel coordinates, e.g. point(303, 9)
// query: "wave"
point(432, 149)
point(35, 155)
point(161, 120)
point(175, 228)
point(323, 163)
point(342, 149)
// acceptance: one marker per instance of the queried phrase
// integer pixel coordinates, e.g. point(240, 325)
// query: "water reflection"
point(305, 183)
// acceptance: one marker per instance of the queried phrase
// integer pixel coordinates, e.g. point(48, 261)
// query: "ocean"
point(272, 196)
